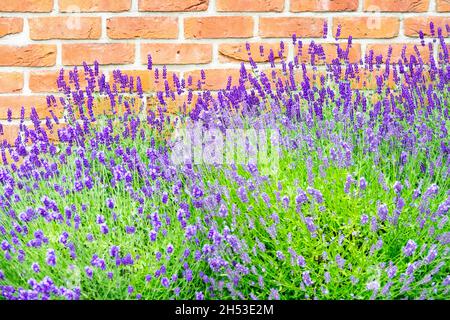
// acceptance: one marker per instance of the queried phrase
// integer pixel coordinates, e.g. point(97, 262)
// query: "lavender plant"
point(357, 207)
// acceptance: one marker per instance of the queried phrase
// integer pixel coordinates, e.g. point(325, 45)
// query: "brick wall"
point(38, 37)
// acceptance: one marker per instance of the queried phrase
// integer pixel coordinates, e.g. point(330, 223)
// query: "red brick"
point(323, 5)
point(173, 5)
point(176, 53)
point(396, 5)
point(104, 53)
point(142, 27)
point(216, 79)
point(148, 81)
point(218, 27)
point(94, 5)
point(11, 82)
point(26, 5)
point(397, 48)
point(33, 55)
point(15, 103)
point(249, 5)
point(65, 28)
point(286, 27)
point(46, 81)
point(10, 133)
point(10, 26)
point(367, 27)
point(232, 52)
point(412, 26)
point(443, 5)
point(331, 53)
point(177, 106)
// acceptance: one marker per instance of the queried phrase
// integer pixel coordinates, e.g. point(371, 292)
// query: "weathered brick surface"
point(382, 49)
point(218, 27)
point(397, 5)
point(26, 5)
point(367, 27)
point(414, 25)
point(237, 52)
point(173, 5)
point(142, 27)
point(324, 5)
point(103, 53)
point(32, 55)
point(94, 5)
point(10, 26)
point(214, 78)
point(250, 5)
point(443, 5)
point(16, 102)
point(286, 27)
point(65, 28)
point(11, 82)
point(179, 53)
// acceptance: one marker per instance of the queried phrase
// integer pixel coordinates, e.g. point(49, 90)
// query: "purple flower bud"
point(35, 267)
point(89, 272)
point(165, 282)
point(51, 257)
point(409, 248)
point(307, 278)
point(110, 203)
point(383, 212)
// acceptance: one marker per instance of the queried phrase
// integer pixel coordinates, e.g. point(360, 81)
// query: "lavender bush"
point(356, 206)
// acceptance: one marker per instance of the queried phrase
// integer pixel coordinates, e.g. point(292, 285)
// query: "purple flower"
point(104, 229)
point(432, 254)
point(110, 203)
point(340, 261)
point(130, 289)
point(35, 267)
point(364, 219)
point(89, 272)
point(307, 278)
point(362, 183)
point(274, 295)
point(199, 296)
point(188, 275)
point(242, 193)
point(114, 251)
point(409, 248)
point(130, 229)
point(51, 257)
point(280, 255)
point(310, 225)
point(301, 197)
point(5, 246)
point(383, 212)
point(373, 286)
point(391, 271)
point(152, 235)
point(398, 187)
point(100, 219)
point(165, 282)
point(301, 261)
point(316, 194)
point(197, 192)
point(327, 277)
